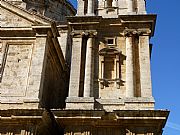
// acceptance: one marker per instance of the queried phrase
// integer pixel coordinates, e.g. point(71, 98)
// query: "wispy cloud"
point(173, 126)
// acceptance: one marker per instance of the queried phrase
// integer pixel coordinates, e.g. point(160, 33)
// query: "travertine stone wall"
point(145, 71)
point(112, 90)
point(75, 67)
point(118, 52)
point(7, 19)
point(81, 7)
point(53, 94)
point(113, 8)
point(106, 76)
point(19, 3)
point(21, 73)
point(65, 42)
point(129, 68)
point(82, 122)
point(31, 60)
point(15, 75)
point(89, 68)
point(53, 9)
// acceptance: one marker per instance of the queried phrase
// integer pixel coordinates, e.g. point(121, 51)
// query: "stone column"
point(129, 67)
point(101, 70)
point(117, 71)
point(141, 6)
point(114, 3)
point(129, 6)
point(75, 67)
point(101, 4)
point(80, 8)
point(74, 100)
point(90, 9)
point(89, 66)
point(145, 73)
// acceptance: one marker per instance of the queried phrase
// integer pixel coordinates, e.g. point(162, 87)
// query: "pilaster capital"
point(78, 34)
point(136, 32)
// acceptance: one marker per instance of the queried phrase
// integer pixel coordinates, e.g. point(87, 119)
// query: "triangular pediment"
point(13, 16)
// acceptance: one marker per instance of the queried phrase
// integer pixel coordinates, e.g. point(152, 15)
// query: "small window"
point(110, 41)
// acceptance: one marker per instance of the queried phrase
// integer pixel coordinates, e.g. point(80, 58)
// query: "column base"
point(76, 103)
point(132, 13)
point(90, 14)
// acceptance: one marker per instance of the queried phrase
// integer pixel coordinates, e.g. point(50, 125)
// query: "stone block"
point(78, 103)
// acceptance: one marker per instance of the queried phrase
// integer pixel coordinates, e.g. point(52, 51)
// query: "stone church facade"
point(84, 73)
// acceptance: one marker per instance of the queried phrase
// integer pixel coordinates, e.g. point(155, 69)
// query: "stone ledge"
point(84, 103)
point(135, 103)
point(126, 100)
point(80, 100)
point(110, 101)
point(139, 99)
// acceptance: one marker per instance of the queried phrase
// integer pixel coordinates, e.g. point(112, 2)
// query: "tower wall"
point(87, 75)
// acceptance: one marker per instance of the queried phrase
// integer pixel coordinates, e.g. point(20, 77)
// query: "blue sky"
point(165, 62)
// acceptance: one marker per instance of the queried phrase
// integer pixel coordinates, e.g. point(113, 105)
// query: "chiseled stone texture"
point(113, 8)
point(96, 122)
point(8, 19)
point(54, 9)
point(21, 73)
point(91, 73)
point(111, 88)
point(33, 72)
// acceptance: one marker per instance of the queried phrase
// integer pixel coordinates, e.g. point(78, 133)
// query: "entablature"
point(124, 24)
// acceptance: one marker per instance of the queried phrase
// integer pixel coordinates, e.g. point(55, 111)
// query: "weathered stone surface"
point(16, 70)
point(8, 19)
point(91, 71)
point(24, 73)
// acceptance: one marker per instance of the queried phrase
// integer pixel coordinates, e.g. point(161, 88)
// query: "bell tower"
point(86, 7)
point(83, 74)
point(110, 65)
point(110, 77)
point(113, 8)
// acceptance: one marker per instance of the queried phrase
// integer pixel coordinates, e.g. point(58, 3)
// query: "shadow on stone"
point(49, 125)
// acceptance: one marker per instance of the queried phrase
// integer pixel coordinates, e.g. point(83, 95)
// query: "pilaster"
point(129, 6)
point(144, 62)
point(129, 67)
point(38, 60)
point(90, 8)
point(74, 100)
point(75, 66)
point(141, 6)
point(89, 67)
point(145, 73)
point(80, 8)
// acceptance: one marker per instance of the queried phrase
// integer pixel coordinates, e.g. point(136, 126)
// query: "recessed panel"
point(16, 69)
